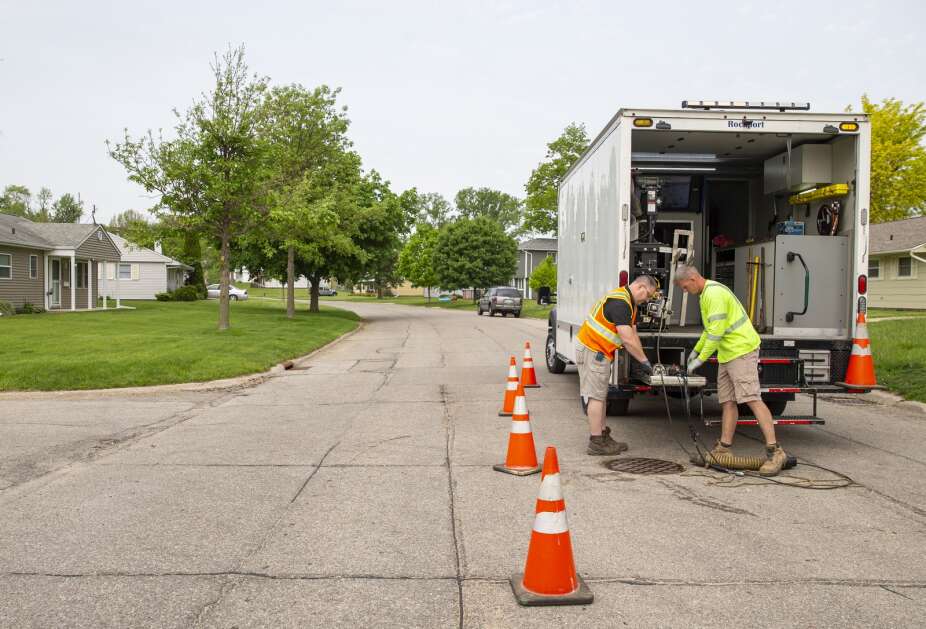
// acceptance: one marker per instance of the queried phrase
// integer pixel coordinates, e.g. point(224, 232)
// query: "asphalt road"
point(357, 490)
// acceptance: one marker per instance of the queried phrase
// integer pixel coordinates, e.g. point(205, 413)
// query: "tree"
point(17, 201)
point(416, 262)
point(898, 159)
point(67, 209)
point(429, 208)
point(43, 209)
point(544, 274)
point(135, 227)
point(474, 253)
point(306, 133)
point(499, 206)
point(211, 178)
point(193, 255)
point(541, 203)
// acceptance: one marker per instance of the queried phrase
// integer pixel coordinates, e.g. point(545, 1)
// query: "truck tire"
point(617, 408)
point(554, 364)
point(517, 314)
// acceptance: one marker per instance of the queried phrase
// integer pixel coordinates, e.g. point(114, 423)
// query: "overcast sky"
point(441, 95)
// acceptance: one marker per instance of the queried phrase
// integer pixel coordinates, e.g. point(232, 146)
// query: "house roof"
point(130, 252)
point(18, 232)
point(538, 244)
point(903, 235)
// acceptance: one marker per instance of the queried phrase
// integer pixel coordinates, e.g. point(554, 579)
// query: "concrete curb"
point(892, 399)
point(238, 382)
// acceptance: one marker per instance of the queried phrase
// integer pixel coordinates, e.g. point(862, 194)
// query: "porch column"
point(91, 302)
point(46, 263)
point(118, 282)
point(74, 281)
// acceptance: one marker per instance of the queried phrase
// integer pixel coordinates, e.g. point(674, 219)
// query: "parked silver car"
point(234, 293)
point(327, 292)
point(503, 299)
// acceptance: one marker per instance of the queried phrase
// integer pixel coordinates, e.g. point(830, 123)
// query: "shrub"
point(185, 293)
point(6, 309)
point(164, 296)
point(30, 309)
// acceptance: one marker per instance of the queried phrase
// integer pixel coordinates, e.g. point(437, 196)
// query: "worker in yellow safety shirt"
point(729, 332)
point(611, 325)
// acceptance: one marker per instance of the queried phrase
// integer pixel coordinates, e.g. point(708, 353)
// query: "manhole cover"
point(644, 466)
point(849, 401)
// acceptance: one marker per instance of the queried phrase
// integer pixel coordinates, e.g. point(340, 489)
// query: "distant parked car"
point(327, 292)
point(234, 293)
point(503, 299)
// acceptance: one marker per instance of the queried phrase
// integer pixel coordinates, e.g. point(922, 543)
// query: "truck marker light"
point(848, 126)
point(862, 284)
point(643, 122)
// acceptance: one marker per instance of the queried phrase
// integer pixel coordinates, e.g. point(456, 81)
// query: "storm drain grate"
point(644, 466)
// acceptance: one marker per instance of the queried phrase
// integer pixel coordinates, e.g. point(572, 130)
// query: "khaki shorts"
point(594, 373)
point(738, 380)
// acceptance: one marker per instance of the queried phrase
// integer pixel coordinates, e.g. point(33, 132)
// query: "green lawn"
point(900, 356)
point(529, 309)
point(158, 343)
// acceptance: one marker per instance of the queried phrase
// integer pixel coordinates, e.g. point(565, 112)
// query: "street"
point(357, 490)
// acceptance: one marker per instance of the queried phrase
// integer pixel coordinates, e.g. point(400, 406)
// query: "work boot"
point(718, 450)
point(775, 461)
point(604, 445)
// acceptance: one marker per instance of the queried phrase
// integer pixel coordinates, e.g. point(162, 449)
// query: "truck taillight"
point(623, 279)
point(862, 284)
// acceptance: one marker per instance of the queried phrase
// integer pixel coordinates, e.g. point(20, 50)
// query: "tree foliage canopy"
point(416, 261)
point(544, 274)
point(496, 205)
point(541, 203)
point(474, 253)
point(898, 159)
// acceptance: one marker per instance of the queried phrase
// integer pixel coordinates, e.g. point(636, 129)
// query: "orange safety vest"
point(600, 335)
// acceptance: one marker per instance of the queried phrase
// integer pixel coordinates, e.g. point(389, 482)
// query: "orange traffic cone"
point(861, 371)
point(528, 375)
point(511, 390)
point(521, 459)
point(549, 576)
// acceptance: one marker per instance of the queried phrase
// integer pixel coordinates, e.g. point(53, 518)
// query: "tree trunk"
point(223, 283)
point(379, 290)
point(313, 292)
point(291, 283)
point(429, 294)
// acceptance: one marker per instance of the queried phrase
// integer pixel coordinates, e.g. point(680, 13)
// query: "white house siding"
point(151, 279)
point(891, 291)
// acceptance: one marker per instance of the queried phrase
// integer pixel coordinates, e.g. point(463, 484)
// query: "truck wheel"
point(517, 314)
point(776, 407)
point(554, 364)
point(618, 408)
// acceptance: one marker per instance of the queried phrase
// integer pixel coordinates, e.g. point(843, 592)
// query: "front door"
point(56, 283)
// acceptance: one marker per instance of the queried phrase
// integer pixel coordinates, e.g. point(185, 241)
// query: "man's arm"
point(631, 342)
point(714, 328)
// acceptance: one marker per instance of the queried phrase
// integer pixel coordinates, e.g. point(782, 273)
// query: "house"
point(142, 272)
point(262, 281)
point(530, 254)
point(897, 264)
point(52, 265)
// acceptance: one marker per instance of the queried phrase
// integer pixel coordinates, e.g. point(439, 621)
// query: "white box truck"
point(768, 198)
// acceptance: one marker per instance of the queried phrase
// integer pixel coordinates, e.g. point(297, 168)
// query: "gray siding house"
point(142, 272)
point(897, 264)
point(530, 254)
point(52, 265)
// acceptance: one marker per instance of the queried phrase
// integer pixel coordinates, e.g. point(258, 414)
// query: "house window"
point(82, 275)
point(125, 271)
point(6, 266)
point(905, 267)
point(874, 269)
point(33, 267)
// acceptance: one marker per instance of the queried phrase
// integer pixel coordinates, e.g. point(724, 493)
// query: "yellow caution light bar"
point(827, 192)
point(848, 126)
point(643, 122)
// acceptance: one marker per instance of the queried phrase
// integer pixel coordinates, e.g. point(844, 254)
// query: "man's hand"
point(694, 363)
point(645, 368)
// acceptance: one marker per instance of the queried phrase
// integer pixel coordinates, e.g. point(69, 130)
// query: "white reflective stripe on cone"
point(861, 331)
point(512, 385)
point(520, 405)
point(550, 488)
point(520, 427)
point(858, 350)
point(512, 372)
point(551, 522)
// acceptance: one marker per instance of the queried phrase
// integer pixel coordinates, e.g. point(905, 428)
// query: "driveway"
point(357, 490)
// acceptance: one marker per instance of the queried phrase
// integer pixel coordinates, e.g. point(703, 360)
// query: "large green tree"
point(17, 201)
point(416, 262)
point(135, 227)
point(429, 207)
point(474, 253)
point(307, 137)
point(496, 205)
point(541, 203)
point(544, 274)
point(67, 209)
point(898, 159)
point(212, 177)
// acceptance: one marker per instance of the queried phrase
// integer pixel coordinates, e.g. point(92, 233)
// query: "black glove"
point(645, 368)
